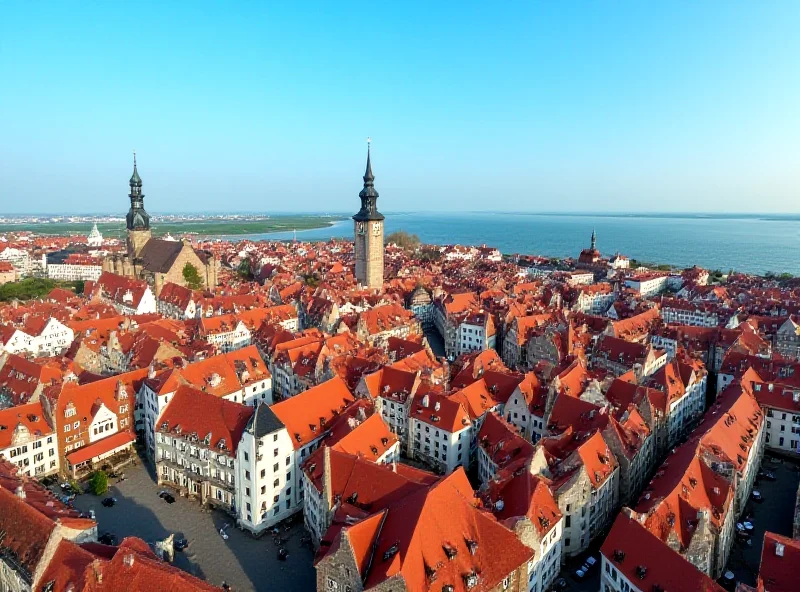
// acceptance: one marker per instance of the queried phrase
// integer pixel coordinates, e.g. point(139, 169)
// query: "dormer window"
point(70, 410)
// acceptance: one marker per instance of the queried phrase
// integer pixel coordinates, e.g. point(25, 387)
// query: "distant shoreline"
point(210, 228)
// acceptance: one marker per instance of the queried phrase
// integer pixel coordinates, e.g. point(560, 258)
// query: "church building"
point(369, 234)
point(158, 261)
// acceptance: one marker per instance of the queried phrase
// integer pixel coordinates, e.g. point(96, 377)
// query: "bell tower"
point(369, 233)
point(137, 220)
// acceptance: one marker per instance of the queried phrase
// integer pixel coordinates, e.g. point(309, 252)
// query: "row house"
point(239, 376)
point(636, 328)
point(781, 405)
point(28, 441)
point(127, 295)
point(647, 284)
point(176, 302)
point(525, 504)
point(500, 447)
point(585, 483)
point(420, 303)
point(519, 333)
point(682, 312)
point(376, 325)
point(684, 383)
point(342, 485)
point(93, 421)
point(633, 559)
point(322, 313)
point(226, 333)
point(448, 312)
point(33, 522)
point(75, 267)
point(618, 357)
point(440, 432)
point(787, 339)
point(633, 445)
point(406, 545)
point(476, 332)
point(274, 447)
point(196, 441)
point(392, 390)
point(694, 499)
point(23, 381)
point(526, 406)
point(39, 337)
point(594, 299)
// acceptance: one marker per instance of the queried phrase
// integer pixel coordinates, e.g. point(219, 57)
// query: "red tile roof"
point(780, 556)
point(192, 411)
point(649, 563)
point(308, 415)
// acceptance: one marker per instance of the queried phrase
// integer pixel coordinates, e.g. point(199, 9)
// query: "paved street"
point(774, 514)
point(242, 561)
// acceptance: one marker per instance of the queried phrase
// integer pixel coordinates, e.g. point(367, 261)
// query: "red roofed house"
point(779, 559)
point(274, 446)
point(27, 440)
point(93, 421)
point(440, 432)
point(376, 325)
point(341, 486)
point(433, 539)
point(33, 523)
point(525, 504)
point(196, 441)
point(500, 447)
point(633, 560)
point(585, 482)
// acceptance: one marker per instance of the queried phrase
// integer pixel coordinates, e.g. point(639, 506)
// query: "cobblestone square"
point(245, 563)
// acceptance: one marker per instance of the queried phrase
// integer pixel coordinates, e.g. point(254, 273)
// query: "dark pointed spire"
point(369, 178)
point(594, 240)
point(136, 180)
point(368, 195)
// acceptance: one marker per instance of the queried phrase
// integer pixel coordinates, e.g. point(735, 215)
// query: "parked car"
point(180, 544)
point(283, 554)
point(580, 573)
point(107, 538)
point(590, 563)
point(757, 497)
point(109, 502)
point(163, 492)
point(560, 584)
point(169, 498)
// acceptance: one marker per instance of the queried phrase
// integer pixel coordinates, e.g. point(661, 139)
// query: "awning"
point(102, 448)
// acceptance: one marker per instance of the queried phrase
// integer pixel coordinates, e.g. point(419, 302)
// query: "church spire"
point(368, 195)
point(137, 218)
point(594, 240)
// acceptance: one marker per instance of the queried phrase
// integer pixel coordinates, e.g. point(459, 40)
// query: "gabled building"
point(196, 441)
point(28, 441)
point(409, 547)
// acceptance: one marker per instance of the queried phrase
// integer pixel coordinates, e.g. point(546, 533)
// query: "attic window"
point(619, 555)
point(472, 546)
point(450, 552)
point(391, 552)
point(470, 580)
point(641, 571)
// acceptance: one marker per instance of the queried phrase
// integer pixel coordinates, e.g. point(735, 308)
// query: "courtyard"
point(243, 562)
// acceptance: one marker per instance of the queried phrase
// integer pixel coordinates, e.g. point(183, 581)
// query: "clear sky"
point(534, 106)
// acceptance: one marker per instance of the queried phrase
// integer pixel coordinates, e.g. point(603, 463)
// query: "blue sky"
point(534, 106)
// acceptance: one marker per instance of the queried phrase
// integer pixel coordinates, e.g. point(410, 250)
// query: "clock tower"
point(369, 233)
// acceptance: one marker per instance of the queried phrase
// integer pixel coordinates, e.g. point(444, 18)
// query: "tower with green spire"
point(137, 220)
point(368, 231)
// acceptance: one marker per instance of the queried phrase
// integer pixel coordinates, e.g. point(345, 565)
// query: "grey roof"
point(159, 255)
point(265, 421)
point(369, 196)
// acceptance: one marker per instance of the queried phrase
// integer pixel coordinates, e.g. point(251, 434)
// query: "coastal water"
point(754, 244)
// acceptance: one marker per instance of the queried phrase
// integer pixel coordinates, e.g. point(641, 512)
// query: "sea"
point(747, 243)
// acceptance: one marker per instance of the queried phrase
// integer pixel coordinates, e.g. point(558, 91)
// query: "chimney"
point(779, 547)
point(20, 492)
point(128, 560)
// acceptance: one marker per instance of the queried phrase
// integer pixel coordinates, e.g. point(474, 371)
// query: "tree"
point(404, 240)
point(244, 269)
point(98, 483)
point(429, 254)
point(192, 277)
